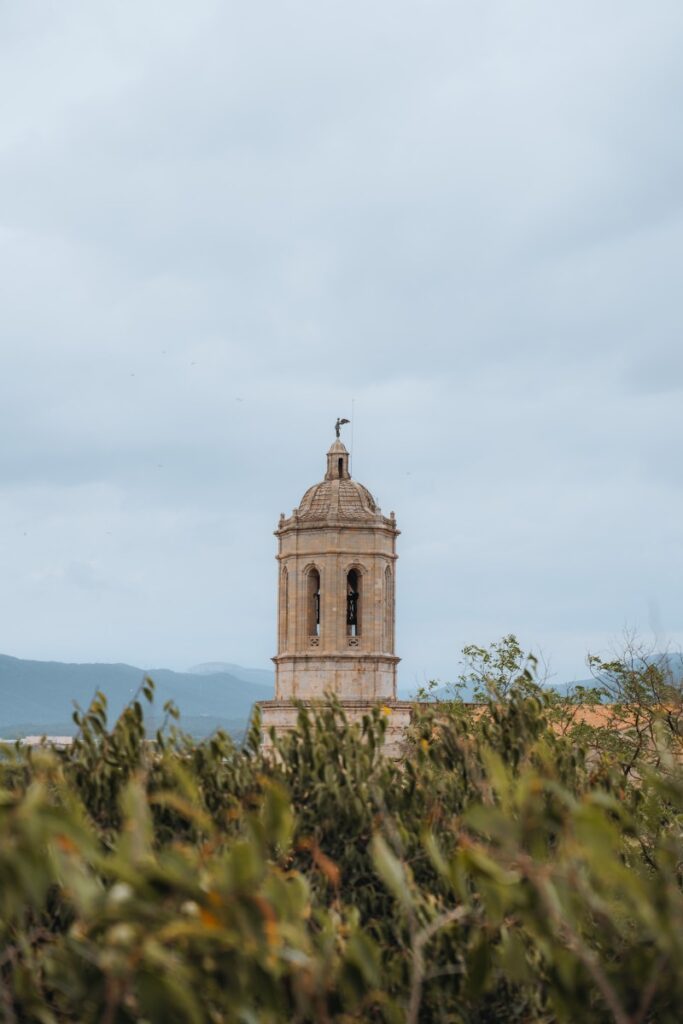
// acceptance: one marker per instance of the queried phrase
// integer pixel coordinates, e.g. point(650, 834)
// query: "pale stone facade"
point(336, 603)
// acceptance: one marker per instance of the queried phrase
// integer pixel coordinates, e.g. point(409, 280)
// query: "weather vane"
point(338, 425)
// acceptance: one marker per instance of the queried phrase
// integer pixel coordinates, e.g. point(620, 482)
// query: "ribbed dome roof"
point(337, 496)
point(337, 499)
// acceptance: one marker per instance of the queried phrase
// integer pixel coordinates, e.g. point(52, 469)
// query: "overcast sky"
point(222, 225)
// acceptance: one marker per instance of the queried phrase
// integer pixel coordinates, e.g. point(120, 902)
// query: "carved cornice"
point(342, 654)
point(349, 552)
point(380, 524)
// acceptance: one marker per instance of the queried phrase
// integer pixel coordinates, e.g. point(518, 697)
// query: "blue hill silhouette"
point(38, 697)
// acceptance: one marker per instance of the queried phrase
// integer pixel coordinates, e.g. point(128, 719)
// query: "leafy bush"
point(517, 865)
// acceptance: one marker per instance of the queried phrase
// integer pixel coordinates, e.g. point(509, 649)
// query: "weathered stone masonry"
point(336, 603)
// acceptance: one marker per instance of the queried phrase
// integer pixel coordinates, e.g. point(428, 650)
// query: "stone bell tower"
point(336, 602)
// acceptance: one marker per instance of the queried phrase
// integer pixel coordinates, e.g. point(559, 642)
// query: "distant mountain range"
point(260, 676)
point(37, 697)
point(670, 663)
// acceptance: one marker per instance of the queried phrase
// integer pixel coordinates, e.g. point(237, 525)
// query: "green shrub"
point(515, 866)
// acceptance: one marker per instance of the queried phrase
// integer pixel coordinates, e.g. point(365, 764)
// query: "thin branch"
point(650, 991)
point(420, 940)
point(574, 943)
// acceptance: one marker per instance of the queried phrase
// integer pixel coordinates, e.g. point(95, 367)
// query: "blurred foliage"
point(519, 864)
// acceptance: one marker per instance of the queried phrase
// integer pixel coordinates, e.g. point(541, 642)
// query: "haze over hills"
point(37, 697)
point(260, 676)
point(670, 663)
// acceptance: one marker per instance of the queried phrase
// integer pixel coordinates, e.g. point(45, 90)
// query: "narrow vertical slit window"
point(353, 602)
point(313, 600)
point(340, 468)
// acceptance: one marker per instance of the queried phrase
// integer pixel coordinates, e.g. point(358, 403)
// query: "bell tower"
point(336, 599)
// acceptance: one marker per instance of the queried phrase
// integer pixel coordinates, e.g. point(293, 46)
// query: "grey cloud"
point(221, 224)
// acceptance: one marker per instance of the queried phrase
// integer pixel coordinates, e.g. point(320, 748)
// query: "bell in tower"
point(337, 565)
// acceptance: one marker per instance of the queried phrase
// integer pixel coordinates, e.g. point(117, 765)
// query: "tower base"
point(282, 715)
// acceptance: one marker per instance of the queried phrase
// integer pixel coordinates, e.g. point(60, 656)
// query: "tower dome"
point(337, 496)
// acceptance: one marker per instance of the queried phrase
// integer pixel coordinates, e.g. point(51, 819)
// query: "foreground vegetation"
point(519, 865)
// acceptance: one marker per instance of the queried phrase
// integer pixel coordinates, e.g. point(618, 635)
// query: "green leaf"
point(391, 870)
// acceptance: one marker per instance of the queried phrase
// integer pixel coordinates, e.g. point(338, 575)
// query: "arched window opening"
point(353, 602)
point(313, 603)
point(340, 468)
point(388, 610)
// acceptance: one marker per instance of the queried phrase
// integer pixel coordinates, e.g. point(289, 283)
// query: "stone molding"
point(389, 659)
point(282, 556)
point(352, 704)
point(379, 525)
